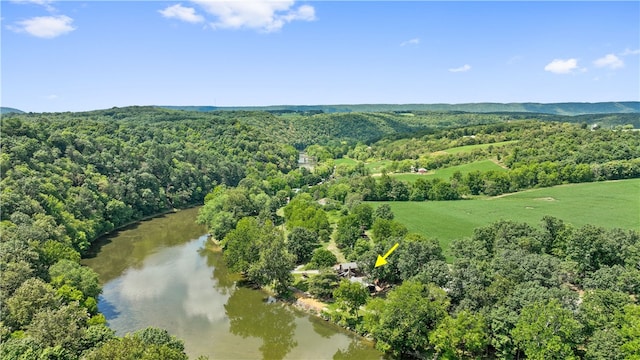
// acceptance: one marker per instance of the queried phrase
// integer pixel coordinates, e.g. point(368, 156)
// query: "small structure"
point(363, 281)
point(346, 269)
point(422, 171)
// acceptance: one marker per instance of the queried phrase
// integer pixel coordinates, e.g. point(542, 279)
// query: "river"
point(159, 273)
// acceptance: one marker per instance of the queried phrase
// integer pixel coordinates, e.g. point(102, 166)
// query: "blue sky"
point(84, 55)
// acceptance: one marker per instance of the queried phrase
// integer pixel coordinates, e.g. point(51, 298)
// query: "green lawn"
point(469, 148)
point(445, 173)
point(345, 161)
point(376, 166)
point(608, 204)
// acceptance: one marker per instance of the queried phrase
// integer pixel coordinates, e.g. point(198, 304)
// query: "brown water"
point(159, 273)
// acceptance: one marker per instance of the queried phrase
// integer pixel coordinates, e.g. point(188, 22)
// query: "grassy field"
point(376, 166)
point(608, 204)
point(345, 161)
point(483, 165)
point(469, 148)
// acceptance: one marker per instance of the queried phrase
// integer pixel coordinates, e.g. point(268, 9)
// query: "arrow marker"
point(382, 259)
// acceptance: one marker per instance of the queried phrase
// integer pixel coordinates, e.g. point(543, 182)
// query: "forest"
point(512, 290)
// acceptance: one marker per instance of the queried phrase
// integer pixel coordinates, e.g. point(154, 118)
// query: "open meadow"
point(608, 204)
point(446, 173)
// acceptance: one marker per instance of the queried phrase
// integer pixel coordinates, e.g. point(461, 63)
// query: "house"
point(363, 281)
point(346, 269)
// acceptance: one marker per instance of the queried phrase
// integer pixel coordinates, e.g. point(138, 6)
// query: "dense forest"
point(68, 178)
point(555, 109)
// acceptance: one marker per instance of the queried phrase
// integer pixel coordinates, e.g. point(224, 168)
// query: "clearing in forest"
point(608, 204)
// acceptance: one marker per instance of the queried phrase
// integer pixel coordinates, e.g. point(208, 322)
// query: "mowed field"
point(608, 204)
point(470, 148)
point(446, 173)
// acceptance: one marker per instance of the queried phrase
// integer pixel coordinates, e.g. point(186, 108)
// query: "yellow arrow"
point(382, 259)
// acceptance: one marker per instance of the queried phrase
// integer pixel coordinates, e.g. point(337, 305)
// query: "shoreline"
point(299, 300)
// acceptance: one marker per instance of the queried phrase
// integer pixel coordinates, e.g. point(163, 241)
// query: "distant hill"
point(572, 108)
point(7, 110)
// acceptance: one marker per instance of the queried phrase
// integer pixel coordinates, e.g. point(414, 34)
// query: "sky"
point(86, 55)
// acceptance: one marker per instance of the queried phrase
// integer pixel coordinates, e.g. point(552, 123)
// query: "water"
point(161, 273)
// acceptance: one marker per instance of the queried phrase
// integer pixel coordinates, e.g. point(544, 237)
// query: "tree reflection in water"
point(355, 350)
point(273, 323)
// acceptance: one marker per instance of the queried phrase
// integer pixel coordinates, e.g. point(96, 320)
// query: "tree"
point(157, 336)
point(274, 263)
point(363, 214)
point(601, 309)
point(401, 324)
point(32, 297)
point(350, 295)
point(383, 229)
point(462, 337)
point(323, 284)
point(347, 232)
point(547, 331)
point(241, 245)
point(67, 272)
point(64, 327)
point(416, 255)
point(301, 242)
point(383, 212)
point(604, 345)
point(630, 332)
point(132, 347)
point(323, 258)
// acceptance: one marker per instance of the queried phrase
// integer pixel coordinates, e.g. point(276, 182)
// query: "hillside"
point(571, 108)
point(7, 110)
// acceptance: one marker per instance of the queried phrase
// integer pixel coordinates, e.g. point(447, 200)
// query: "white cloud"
point(610, 60)
point(182, 13)
point(46, 27)
point(559, 66)
point(464, 68)
point(263, 15)
point(628, 51)
point(414, 41)
point(45, 3)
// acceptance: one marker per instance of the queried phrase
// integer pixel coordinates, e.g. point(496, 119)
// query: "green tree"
point(64, 327)
point(630, 332)
point(363, 214)
point(67, 272)
point(323, 284)
point(323, 258)
point(347, 232)
point(274, 263)
point(350, 295)
point(241, 245)
point(462, 337)
point(32, 297)
point(383, 212)
point(301, 242)
point(401, 324)
point(547, 331)
point(383, 229)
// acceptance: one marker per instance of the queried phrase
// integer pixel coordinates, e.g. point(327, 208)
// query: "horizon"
point(170, 107)
point(60, 56)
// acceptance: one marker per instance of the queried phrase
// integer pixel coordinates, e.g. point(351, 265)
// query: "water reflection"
point(183, 285)
point(355, 350)
point(272, 323)
point(129, 247)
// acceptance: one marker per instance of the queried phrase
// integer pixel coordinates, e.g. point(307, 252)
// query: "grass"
point(446, 173)
point(470, 148)
point(345, 161)
point(607, 204)
point(376, 166)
